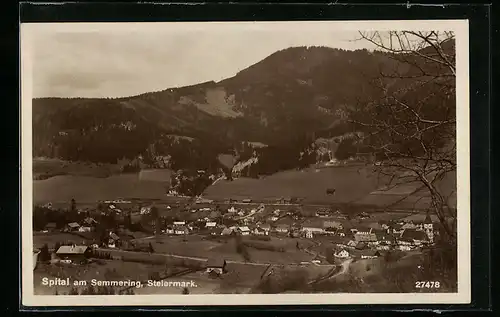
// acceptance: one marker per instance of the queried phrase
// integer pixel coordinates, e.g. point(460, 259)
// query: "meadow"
point(92, 189)
point(351, 184)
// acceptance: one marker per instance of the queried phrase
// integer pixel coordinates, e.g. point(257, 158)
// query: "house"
point(342, 254)
point(244, 230)
point(266, 227)
point(145, 210)
point(333, 224)
point(216, 265)
point(309, 234)
point(246, 201)
point(179, 230)
point(428, 228)
point(384, 224)
point(352, 244)
point(84, 229)
point(363, 215)
point(179, 223)
point(273, 218)
point(362, 230)
point(232, 210)
point(314, 230)
point(364, 237)
point(322, 214)
point(405, 244)
point(396, 228)
point(201, 200)
point(72, 226)
point(111, 244)
point(210, 225)
point(169, 230)
point(73, 253)
point(418, 237)
point(330, 231)
point(370, 255)
point(260, 232)
point(282, 228)
point(409, 225)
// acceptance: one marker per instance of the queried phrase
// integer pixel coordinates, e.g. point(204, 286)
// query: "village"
point(326, 236)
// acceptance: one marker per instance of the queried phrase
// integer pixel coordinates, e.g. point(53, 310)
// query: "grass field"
point(47, 168)
point(39, 239)
point(92, 189)
point(351, 183)
point(197, 246)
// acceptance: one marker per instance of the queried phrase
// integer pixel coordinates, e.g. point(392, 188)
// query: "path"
point(344, 268)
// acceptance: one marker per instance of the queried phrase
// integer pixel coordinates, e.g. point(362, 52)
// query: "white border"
point(463, 296)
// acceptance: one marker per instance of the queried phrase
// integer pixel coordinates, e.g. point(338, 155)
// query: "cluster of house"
point(382, 235)
point(86, 225)
point(403, 236)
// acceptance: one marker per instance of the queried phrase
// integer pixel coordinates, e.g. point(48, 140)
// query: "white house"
point(314, 230)
point(84, 229)
point(342, 254)
point(210, 224)
point(181, 230)
point(282, 228)
point(232, 210)
point(243, 230)
point(145, 210)
point(333, 224)
point(179, 223)
point(111, 244)
point(217, 266)
point(352, 244)
point(260, 232)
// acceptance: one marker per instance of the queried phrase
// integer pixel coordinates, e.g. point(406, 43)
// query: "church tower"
point(428, 227)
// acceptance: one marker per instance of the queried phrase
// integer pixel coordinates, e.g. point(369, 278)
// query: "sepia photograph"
point(245, 163)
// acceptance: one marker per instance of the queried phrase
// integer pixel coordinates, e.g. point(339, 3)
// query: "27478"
point(427, 284)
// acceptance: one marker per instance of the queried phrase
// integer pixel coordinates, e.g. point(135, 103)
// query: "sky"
point(86, 60)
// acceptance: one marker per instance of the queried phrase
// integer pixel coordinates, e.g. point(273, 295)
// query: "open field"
point(92, 189)
point(197, 246)
point(47, 168)
point(351, 183)
point(51, 238)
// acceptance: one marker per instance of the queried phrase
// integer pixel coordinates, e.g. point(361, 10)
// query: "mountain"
point(285, 101)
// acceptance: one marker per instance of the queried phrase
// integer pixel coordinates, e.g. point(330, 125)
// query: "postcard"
point(245, 163)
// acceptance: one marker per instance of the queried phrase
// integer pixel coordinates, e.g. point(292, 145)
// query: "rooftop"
point(69, 249)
